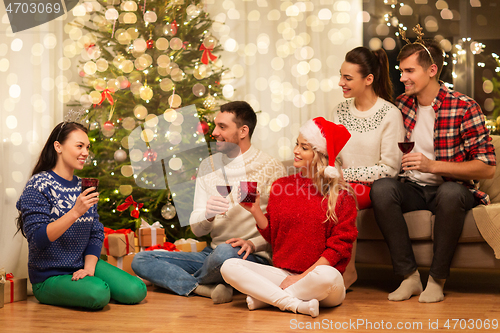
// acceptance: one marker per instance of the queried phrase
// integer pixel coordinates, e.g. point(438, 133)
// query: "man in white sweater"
point(233, 235)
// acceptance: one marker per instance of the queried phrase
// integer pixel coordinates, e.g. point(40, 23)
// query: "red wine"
point(224, 190)
point(90, 182)
point(406, 147)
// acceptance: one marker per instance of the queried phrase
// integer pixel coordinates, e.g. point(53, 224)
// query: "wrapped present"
point(190, 245)
point(15, 289)
point(124, 263)
point(2, 285)
point(150, 235)
point(136, 245)
point(118, 243)
point(167, 246)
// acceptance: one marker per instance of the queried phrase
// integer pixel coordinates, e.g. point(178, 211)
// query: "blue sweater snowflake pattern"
point(45, 199)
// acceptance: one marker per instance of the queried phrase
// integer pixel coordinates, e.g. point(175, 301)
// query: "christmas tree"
point(142, 60)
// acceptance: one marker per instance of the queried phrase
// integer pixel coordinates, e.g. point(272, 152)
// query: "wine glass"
point(224, 191)
point(406, 147)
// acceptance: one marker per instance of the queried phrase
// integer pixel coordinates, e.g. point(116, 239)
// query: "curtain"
point(284, 59)
point(29, 108)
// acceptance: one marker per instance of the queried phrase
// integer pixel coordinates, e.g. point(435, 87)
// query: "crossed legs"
point(323, 286)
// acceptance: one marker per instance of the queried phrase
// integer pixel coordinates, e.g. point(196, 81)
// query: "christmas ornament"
point(168, 211)
point(150, 155)
point(106, 95)
point(209, 102)
point(198, 89)
point(202, 128)
point(108, 126)
point(108, 129)
point(130, 202)
point(150, 43)
point(207, 53)
point(120, 155)
point(174, 27)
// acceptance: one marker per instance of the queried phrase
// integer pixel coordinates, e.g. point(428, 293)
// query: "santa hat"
point(328, 138)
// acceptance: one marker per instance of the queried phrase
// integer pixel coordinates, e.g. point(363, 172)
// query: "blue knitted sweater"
point(45, 199)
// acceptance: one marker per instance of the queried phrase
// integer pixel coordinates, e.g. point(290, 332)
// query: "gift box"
point(190, 245)
point(2, 284)
point(124, 263)
point(14, 289)
point(150, 235)
point(118, 242)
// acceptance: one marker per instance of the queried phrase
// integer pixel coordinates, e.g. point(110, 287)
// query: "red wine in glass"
point(406, 147)
point(224, 191)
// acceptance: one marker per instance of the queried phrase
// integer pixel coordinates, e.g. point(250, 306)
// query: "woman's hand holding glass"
point(251, 207)
point(85, 201)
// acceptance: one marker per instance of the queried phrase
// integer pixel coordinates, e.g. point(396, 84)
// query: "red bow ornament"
point(207, 53)
point(106, 94)
point(130, 202)
point(165, 246)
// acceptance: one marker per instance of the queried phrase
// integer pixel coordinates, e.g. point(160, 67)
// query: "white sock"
point(309, 308)
point(254, 304)
point(410, 286)
point(433, 291)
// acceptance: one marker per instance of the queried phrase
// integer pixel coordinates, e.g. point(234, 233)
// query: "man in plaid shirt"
point(452, 149)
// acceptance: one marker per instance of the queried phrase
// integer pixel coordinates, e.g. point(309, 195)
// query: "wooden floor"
point(470, 295)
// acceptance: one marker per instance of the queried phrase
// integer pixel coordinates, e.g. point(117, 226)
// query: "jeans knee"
point(140, 261)
point(222, 253)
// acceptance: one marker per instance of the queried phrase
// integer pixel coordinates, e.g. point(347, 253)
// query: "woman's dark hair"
point(375, 63)
point(48, 157)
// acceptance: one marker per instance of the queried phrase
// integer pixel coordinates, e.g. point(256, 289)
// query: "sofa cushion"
point(419, 225)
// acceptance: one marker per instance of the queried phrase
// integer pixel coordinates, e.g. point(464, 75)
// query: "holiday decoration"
point(209, 102)
point(150, 235)
point(150, 155)
point(202, 128)
point(130, 202)
point(120, 155)
point(168, 211)
point(136, 60)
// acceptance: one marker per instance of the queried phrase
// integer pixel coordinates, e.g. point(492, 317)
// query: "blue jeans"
point(182, 272)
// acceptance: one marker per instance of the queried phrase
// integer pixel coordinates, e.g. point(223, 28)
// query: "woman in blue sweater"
point(63, 230)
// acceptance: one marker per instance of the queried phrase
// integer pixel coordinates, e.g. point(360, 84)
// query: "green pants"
point(92, 292)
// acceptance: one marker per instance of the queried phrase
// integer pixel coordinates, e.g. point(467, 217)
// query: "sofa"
point(480, 236)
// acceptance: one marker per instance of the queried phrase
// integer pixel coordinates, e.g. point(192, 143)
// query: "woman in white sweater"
point(375, 124)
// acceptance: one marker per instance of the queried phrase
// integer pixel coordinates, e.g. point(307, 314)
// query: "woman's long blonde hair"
point(328, 187)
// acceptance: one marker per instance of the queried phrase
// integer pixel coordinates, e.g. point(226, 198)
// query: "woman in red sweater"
point(310, 224)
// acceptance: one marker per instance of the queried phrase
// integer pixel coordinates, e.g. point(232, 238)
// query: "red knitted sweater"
point(297, 232)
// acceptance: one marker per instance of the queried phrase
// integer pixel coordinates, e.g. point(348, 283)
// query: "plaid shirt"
point(460, 133)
